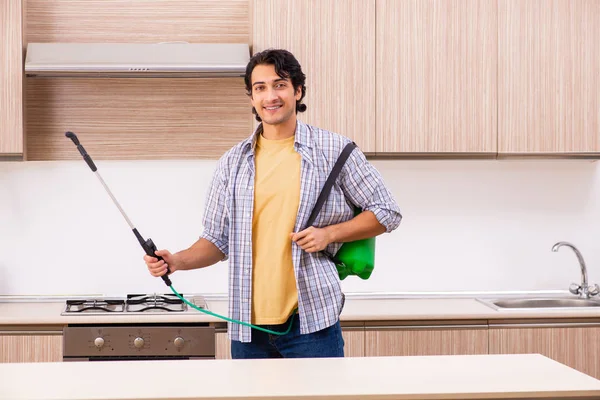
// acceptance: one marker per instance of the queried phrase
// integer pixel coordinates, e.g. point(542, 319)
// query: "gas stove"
point(136, 340)
point(132, 304)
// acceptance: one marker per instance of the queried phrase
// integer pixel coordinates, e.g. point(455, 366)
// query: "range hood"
point(134, 60)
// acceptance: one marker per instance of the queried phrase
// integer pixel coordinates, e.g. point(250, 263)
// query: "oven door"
point(138, 342)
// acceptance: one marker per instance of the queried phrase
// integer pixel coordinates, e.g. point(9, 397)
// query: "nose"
point(271, 95)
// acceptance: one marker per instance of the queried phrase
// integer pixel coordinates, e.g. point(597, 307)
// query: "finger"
point(305, 241)
point(299, 235)
point(156, 265)
point(159, 271)
point(307, 246)
point(162, 253)
point(150, 259)
point(311, 249)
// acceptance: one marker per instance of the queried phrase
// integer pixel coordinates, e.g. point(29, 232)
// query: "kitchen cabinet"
point(548, 77)
point(222, 345)
point(425, 338)
point(436, 69)
point(354, 345)
point(334, 41)
point(354, 339)
point(575, 344)
point(30, 346)
point(11, 79)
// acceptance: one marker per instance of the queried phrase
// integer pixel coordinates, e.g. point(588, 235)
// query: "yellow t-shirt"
point(276, 200)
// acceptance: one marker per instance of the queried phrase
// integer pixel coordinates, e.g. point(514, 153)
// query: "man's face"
point(273, 97)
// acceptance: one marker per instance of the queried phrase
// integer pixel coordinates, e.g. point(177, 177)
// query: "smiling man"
point(259, 201)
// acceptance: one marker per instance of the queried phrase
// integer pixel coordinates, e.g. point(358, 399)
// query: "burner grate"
point(82, 306)
point(154, 303)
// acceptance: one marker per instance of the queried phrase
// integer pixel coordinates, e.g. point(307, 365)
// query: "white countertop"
point(48, 313)
point(432, 377)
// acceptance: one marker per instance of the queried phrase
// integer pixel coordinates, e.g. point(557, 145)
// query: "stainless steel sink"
point(536, 303)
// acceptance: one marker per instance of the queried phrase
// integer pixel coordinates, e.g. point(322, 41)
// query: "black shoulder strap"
point(329, 183)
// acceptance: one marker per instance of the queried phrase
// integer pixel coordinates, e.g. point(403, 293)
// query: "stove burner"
point(90, 305)
point(165, 302)
point(132, 303)
point(142, 298)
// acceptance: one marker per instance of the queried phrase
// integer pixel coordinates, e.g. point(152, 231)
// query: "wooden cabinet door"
point(222, 346)
point(577, 346)
point(548, 77)
point(18, 348)
point(11, 78)
point(354, 343)
point(416, 340)
point(436, 77)
point(334, 41)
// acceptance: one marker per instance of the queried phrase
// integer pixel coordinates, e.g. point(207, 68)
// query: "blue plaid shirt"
point(228, 222)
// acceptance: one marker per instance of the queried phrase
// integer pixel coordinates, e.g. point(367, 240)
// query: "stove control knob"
point(178, 342)
point(138, 342)
point(99, 342)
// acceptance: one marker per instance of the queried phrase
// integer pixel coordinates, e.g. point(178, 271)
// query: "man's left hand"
point(312, 239)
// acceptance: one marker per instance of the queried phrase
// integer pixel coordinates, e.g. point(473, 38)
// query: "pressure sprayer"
point(150, 248)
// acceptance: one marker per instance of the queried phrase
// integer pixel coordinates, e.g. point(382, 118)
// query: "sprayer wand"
point(148, 245)
point(150, 248)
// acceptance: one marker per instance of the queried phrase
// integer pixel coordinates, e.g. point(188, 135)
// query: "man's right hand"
point(159, 268)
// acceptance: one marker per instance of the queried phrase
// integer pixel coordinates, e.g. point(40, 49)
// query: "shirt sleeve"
point(363, 185)
point(216, 212)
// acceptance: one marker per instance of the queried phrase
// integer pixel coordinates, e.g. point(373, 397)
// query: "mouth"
point(272, 109)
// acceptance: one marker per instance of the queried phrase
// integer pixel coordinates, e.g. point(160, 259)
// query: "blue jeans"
point(324, 343)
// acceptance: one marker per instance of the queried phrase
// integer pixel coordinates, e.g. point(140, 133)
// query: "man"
point(260, 198)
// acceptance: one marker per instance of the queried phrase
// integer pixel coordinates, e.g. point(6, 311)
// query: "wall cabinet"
point(417, 339)
point(459, 78)
point(11, 79)
point(548, 77)
point(30, 346)
point(334, 41)
point(436, 77)
point(576, 345)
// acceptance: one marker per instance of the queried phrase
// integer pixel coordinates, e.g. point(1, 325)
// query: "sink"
point(545, 303)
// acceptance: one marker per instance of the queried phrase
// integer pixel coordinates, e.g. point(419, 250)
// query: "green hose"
point(233, 320)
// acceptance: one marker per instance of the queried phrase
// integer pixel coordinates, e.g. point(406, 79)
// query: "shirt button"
point(247, 270)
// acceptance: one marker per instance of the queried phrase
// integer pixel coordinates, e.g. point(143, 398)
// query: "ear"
point(298, 93)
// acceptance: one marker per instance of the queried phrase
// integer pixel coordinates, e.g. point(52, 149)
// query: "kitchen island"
point(425, 377)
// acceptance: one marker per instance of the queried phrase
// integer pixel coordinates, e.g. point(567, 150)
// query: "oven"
point(135, 341)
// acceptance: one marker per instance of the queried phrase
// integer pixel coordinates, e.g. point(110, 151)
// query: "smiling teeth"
point(272, 108)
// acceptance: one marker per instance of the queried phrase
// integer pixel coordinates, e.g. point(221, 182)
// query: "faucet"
point(583, 290)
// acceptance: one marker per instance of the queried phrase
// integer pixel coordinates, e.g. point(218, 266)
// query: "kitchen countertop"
point(427, 377)
point(356, 309)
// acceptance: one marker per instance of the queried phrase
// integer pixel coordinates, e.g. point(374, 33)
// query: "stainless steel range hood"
point(134, 60)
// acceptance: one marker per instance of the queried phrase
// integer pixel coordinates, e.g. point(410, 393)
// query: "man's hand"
point(312, 239)
point(159, 268)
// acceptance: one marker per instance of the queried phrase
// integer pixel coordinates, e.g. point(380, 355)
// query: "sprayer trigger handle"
point(150, 249)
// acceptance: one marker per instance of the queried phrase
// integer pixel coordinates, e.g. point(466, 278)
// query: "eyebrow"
point(276, 80)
